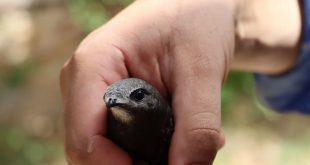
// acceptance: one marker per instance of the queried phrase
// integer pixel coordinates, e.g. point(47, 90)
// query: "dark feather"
point(147, 135)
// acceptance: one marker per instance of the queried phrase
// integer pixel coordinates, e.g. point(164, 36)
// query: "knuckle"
point(69, 71)
point(82, 50)
point(79, 56)
point(204, 130)
point(205, 138)
point(70, 64)
point(90, 55)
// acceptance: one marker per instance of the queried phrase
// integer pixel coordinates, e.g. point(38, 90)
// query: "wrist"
point(268, 35)
point(273, 23)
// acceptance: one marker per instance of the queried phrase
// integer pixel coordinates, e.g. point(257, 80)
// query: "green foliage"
point(90, 14)
point(116, 2)
point(18, 148)
point(237, 85)
point(16, 76)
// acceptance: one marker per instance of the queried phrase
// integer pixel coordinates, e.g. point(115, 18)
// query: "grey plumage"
point(139, 121)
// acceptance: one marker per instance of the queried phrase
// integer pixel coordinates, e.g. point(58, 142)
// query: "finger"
point(84, 80)
point(103, 151)
point(221, 141)
point(196, 104)
point(197, 113)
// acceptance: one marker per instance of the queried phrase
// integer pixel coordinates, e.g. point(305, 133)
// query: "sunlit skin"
point(182, 48)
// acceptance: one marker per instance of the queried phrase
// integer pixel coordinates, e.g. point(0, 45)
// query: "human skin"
point(268, 35)
point(182, 48)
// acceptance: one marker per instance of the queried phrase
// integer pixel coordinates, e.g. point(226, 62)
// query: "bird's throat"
point(121, 115)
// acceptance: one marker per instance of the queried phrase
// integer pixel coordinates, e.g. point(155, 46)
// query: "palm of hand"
point(184, 54)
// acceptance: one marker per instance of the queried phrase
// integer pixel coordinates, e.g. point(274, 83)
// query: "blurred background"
point(36, 38)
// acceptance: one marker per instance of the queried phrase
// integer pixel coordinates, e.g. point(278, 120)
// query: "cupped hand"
point(183, 48)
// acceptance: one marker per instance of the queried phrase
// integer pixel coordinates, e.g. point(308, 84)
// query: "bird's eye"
point(138, 94)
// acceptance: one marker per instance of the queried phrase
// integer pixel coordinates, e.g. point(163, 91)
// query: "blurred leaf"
point(89, 14)
point(237, 84)
point(116, 2)
point(34, 152)
point(16, 76)
point(18, 148)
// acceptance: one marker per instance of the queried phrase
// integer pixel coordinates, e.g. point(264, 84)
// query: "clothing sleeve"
point(290, 92)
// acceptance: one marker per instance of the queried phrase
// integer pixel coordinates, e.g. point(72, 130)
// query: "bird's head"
point(128, 98)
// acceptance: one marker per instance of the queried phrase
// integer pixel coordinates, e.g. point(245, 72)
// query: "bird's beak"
point(117, 107)
point(110, 102)
point(113, 101)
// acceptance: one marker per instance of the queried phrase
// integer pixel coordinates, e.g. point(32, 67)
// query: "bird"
point(140, 121)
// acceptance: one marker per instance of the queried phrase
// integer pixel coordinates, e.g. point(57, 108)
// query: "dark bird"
point(139, 121)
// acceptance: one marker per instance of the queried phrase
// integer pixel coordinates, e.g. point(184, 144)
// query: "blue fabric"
point(290, 92)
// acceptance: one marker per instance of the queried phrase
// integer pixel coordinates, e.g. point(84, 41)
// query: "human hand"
point(180, 47)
